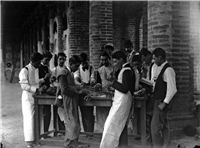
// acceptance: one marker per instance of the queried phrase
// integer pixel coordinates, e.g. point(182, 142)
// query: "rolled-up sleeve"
point(170, 77)
point(23, 81)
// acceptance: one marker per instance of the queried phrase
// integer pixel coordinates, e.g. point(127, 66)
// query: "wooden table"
point(140, 102)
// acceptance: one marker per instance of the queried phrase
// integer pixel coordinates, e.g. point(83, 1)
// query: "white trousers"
point(28, 111)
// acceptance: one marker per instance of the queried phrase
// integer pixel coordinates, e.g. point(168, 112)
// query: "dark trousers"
point(160, 127)
point(149, 114)
point(123, 140)
point(47, 117)
point(87, 118)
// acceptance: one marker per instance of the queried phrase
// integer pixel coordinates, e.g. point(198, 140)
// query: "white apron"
point(117, 117)
point(28, 85)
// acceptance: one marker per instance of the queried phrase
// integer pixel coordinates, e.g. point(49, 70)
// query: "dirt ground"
point(11, 129)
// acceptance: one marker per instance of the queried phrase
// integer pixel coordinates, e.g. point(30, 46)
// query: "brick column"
point(144, 26)
point(169, 26)
point(195, 56)
point(51, 35)
point(60, 27)
point(39, 36)
point(78, 20)
point(100, 28)
point(45, 32)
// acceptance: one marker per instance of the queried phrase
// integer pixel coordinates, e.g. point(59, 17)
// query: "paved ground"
point(11, 129)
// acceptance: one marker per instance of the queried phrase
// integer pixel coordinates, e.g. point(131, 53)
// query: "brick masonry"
point(79, 27)
point(100, 28)
point(169, 28)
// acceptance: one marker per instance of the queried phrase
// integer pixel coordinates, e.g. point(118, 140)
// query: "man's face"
point(157, 60)
point(147, 59)
point(46, 61)
point(36, 64)
point(61, 61)
point(117, 63)
point(104, 60)
point(74, 67)
point(85, 65)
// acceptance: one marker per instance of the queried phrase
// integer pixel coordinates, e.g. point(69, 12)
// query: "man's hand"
point(87, 98)
point(161, 106)
point(41, 89)
point(47, 76)
point(92, 83)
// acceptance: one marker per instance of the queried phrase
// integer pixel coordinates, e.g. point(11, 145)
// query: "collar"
point(69, 69)
point(163, 64)
point(126, 65)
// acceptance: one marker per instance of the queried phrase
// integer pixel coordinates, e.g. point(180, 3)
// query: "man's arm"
point(128, 83)
point(77, 77)
point(170, 78)
point(92, 76)
point(65, 88)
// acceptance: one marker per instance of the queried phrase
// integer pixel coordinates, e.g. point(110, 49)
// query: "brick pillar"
point(51, 36)
point(39, 36)
point(169, 28)
point(100, 28)
point(144, 26)
point(195, 56)
point(34, 38)
point(60, 27)
point(78, 19)
point(45, 32)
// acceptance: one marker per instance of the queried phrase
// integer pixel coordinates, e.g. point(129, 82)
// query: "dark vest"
point(43, 70)
point(150, 68)
point(161, 86)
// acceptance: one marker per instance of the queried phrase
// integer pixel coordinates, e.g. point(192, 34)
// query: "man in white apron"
point(115, 128)
point(29, 81)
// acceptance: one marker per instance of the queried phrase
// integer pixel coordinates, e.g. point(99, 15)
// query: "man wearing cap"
point(29, 81)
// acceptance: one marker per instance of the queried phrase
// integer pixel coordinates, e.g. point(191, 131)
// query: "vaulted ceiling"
point(13, 15)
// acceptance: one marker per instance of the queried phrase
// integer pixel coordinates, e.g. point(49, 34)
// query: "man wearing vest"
point(164, 91)
point(45, 72)
point(29, 81)
point(147, 65)
point(85, 76)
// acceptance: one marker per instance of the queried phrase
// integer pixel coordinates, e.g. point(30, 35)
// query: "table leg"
point(37, 123)
point(143, 123)
point(55, 120)
point(41, 116)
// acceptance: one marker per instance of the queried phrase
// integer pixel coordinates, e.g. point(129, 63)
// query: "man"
point(45, 72)
point(109, 48)
point(29, 81)
point(85, 76)
point(121, 106)
point(104, 72)
point(147, 64)
point(164, 91)
point(70, 94)
point(61, 58)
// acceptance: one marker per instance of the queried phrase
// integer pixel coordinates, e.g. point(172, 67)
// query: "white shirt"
point(169, 76)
